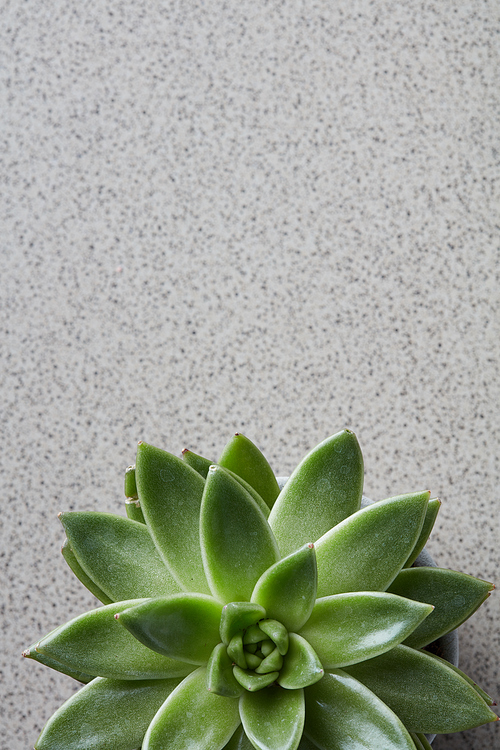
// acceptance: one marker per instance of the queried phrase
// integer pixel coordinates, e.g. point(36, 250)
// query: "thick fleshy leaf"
point(183, 626)
point(245, 459)
point(272, 663)
point(118, 555)
point(132, 504)
point(455, 597)
point(343, 714)
point(348, 628)
point(253, 634)
point(254, 682)
point(196, 462)
point(95, 644)
point(367, 550)
point(325, 488)
point(236, 652)
point(486, 698)
point(134, 511)
point(251, 491)
point(273, 719)
point(130, 485)
point(287, 590)
point(427, 526)
point(426, 694)
point(106, 715)
point(301, 666)
point(170, 492)
point(239, 741)
point(237, 543)
point(79, 572)
point(220, 677)
point(32, 653)
point(192, 718)
point(238, 616)
point(277, 633)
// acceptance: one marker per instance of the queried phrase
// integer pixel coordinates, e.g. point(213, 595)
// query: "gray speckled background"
point(273, 217)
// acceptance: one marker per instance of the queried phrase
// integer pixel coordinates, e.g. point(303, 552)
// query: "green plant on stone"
point(237, 616)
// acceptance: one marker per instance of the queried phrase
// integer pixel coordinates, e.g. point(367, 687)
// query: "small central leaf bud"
point(256, 652)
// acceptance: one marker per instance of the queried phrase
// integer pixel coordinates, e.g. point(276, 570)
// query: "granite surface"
point(274, 218)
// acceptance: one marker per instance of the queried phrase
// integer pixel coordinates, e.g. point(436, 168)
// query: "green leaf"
point(272, 663)
point(253, 634)
point(237, 543)
point(427, 695)
point(106, 715)
point(367, 550)
point(32, 653)
point(79, 572)
point(266, 647)
point(183, 626)
point(248, 487)
point(343, 714)
point(95, 644)
point(170, 492)
point(238, 616)
point(193, 719)
point(196, 462)
point(429, 520)
point(301, 666)
point(220, 677)
point(239, 741)
point(347, 628)
point(325, 488)
point(277, 633)
point(130, 486)
point(245, 459)
point(455, 597)
point(236, 652)
point(132, 504)
point(118, 555)
point(134, 511)
point(486, 698)
point(253, 661)
point(287, 590)
point(254, 682)
point(273, 719)
point(202, 465)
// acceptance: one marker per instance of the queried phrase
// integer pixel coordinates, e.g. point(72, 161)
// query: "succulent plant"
point(237, 616)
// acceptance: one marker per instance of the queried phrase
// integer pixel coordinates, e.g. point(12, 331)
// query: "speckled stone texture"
point(279, 218)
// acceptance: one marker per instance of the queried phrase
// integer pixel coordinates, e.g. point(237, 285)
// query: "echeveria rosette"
point(237, 616)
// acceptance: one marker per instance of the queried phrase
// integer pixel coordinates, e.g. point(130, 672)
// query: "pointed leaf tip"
point(242, 457)
point(331, 478)
point(170, 493)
